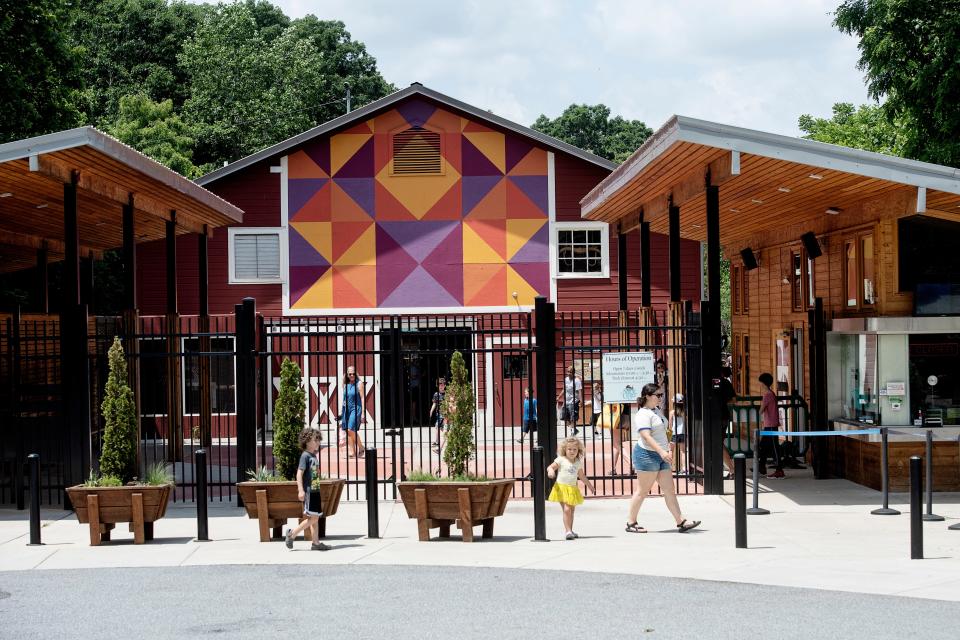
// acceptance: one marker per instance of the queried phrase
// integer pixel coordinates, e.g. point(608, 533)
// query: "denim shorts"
point(644, 460)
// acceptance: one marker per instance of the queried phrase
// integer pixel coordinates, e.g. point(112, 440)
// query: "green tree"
point(909, 51)
point(154, 129)
point(865, 127)
point(119, 454)
point(288, 419)
point(591, 128)
point(251, 88)
point(460, 406)
point(39, 74)
point(129, 47)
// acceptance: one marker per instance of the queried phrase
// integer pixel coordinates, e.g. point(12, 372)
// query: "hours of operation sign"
point(624, 375)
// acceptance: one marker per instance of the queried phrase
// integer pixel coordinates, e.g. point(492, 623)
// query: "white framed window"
point(254, 255)
point(582, 250)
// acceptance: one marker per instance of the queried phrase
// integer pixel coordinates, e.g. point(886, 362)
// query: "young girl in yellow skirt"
point(568, 469)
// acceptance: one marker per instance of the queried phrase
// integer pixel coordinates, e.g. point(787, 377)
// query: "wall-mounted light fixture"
point(832, 211)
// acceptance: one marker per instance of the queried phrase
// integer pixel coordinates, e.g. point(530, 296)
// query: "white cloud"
point(754, 63)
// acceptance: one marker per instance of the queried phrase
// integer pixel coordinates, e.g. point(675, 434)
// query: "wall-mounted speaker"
point(810, 243)
point(749, 260)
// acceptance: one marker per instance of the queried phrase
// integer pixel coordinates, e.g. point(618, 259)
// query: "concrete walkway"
point(819, 535)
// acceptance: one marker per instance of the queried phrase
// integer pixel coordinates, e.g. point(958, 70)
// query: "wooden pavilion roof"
point(766, 181)
point(108, 174)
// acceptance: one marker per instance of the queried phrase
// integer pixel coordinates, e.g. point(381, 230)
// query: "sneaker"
point(288, 539)
point(571, 535)
point(575, 535)
point(519, 440)
point(777, 474)
point(319, 546)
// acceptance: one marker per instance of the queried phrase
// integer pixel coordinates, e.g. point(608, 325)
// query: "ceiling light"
point(735, 210)
point(755, 201)
point(5, 194)
point(816, 176)
point(42, 206)
point(833, 211)
point(784, 190)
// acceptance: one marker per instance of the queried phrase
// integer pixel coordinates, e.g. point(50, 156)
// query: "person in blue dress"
point(351, 412)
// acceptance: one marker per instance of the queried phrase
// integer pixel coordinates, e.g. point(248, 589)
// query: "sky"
point(752, 63)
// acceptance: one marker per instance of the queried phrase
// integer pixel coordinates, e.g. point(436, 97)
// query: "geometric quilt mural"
point(469, 235)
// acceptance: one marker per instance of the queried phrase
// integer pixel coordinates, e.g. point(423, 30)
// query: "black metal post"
point(371, 480)
point(713, 411)
point(171, 245)
point(622, 269)
point(916, 505)
point(740, 499)
point(16, 421)
point(200, 479)
point(75, 368)
point(818, 384)
point(245, 315)
point(202, 277)
point(885, 510)
point(129, 257)
point(86, 280)
point(645, 290)
point(674, 214)
point(42, 280)
point(546, 375)
point(756, 509)
point(33, 460)
point(930, 516)
point(539, 496)
point(70, 289)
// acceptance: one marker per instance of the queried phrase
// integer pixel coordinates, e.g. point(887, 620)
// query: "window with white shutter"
point(254, 255)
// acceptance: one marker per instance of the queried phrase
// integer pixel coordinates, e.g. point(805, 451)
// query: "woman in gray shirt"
point(652, 459)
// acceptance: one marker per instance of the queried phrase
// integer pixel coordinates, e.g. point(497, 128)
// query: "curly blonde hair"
point(576, 442)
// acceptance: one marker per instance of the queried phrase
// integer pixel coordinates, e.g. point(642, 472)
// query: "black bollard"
point(756, 510)
point(200, 478)
point(539, 496)
point(916, 505)
point(930, 516)
point(33, 461)
point(371, 481)
point(885, 510)
point(740, 499)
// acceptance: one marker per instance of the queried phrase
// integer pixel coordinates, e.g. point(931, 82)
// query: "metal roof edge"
point(92, 137)
point(396, 96)
point(662, 139)
point(820, 154)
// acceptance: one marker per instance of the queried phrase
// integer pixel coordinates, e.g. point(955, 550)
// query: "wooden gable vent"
point(416, 151)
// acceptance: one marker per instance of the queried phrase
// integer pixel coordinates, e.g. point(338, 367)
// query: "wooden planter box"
point(103, 507)
point(468, 504)
point(273, 503)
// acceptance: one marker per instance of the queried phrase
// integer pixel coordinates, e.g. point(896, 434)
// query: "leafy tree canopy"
point(130, 47)
point(157, 131)
point(39, 73)
point(863, 127)
point(909, 51)
point(249, 91)
point(591, 128)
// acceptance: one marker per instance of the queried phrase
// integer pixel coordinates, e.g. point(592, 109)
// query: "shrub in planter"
point(288, 420)
point(119, 454)
point(460, 405)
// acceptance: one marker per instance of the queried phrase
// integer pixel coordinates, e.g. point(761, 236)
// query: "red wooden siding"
point(256, 191)
point(574, 178)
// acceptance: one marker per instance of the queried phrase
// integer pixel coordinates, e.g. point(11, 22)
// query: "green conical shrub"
point(459, 414)
point(288, 420)
point(118, 457)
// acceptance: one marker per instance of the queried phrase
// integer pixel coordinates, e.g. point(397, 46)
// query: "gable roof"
point(372, 108)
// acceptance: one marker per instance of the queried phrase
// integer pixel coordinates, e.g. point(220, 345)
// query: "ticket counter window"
point(935, 379)
point(858, 364)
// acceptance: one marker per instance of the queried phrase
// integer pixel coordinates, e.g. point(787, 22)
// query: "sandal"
point(633, 527)
point(685, 525)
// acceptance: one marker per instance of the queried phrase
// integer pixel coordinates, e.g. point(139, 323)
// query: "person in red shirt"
point(770, 421)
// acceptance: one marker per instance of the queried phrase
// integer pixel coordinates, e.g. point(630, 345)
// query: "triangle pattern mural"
point(467, 234)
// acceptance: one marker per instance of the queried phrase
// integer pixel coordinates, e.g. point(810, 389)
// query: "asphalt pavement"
point(331, 601)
